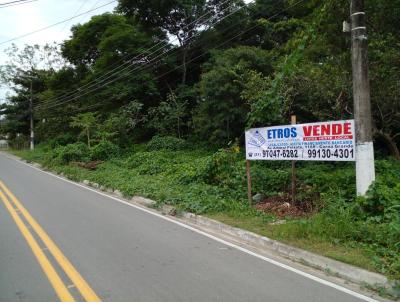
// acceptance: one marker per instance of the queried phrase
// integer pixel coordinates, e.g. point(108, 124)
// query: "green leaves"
point(104, 150)
point(86, 122)
point(170, 143)
point(222, 113)
point(169, 116)
point(69, 153)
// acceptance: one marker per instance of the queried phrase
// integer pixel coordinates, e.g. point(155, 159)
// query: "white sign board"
point(3, 143)
point(325, 141)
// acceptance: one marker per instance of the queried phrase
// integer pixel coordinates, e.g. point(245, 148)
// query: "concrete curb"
point(333, 267)
point(143, 201)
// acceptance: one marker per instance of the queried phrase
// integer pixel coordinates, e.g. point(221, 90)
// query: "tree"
point(86, 122)
point(30, 58)
point(222, 112)
point(385, 78)
point(105, 38)
point(17, 108)
point(169, 115)
point(274, 59)
point(179, 18)
point(32, 63)
point(108, 49)
point(125, 125)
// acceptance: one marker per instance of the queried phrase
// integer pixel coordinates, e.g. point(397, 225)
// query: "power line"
point(192, 59)
point(131, 61)
point(143, 67)
point(76, 95)
point(15, 4)
point(128, 72)
point(93, 6)
point(197, 57)
point(98, 105)
point(55, 24)
point(77, 11)
point(12, 2)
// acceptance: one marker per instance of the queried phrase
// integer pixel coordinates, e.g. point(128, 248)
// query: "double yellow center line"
point(16, 209)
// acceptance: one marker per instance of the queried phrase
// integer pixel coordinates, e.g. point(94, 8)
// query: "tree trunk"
point(182, 43)
point(185, 52)
point(179, 128)
point(88, 137)
point(227, 129)
point(390, 143)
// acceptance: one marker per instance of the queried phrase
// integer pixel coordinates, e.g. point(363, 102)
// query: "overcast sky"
point(21, 19)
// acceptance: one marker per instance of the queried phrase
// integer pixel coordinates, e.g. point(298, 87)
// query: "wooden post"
point(293, 122)
point(249, 197)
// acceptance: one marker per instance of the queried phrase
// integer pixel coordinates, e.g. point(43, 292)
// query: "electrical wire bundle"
point(15, 3)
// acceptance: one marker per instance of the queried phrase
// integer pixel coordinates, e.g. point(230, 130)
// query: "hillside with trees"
point(161, 93)
point(206, 69)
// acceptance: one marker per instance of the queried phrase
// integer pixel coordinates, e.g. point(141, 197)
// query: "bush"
point(170, 143)
point(191, 172)
point(61, 140)
point(225, 168)
point(270, 181)
point(382, 202)
point(71, 152)
point(19, 142)
point(104, 150)
point(150, 163)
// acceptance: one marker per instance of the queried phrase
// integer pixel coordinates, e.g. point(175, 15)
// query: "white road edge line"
point(274, 262)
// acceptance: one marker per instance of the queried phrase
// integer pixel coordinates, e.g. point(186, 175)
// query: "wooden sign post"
point(293, 122)
point(249, 197)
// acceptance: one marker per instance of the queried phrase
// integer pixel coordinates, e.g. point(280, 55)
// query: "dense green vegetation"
point(162, 91)
point(360, 231)
point(204, 69)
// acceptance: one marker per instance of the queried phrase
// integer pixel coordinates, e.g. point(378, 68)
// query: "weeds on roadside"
point(204, 181)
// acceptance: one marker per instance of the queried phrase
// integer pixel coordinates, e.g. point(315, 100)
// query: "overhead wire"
point(152, 61)
point(220, 45)
point(130, 62)
point(15, 4)
point(76, 12)
point(98, 105)
point(12, 2)
point(176, 67)
point(93, 6)
point(55, 24)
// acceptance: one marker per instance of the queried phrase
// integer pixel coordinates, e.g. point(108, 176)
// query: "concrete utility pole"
point(365, 167)
point(32, 137)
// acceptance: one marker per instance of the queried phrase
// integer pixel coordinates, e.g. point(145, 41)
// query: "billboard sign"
point(324, 141)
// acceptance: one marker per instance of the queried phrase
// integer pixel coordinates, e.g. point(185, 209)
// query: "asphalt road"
point(125, 254)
